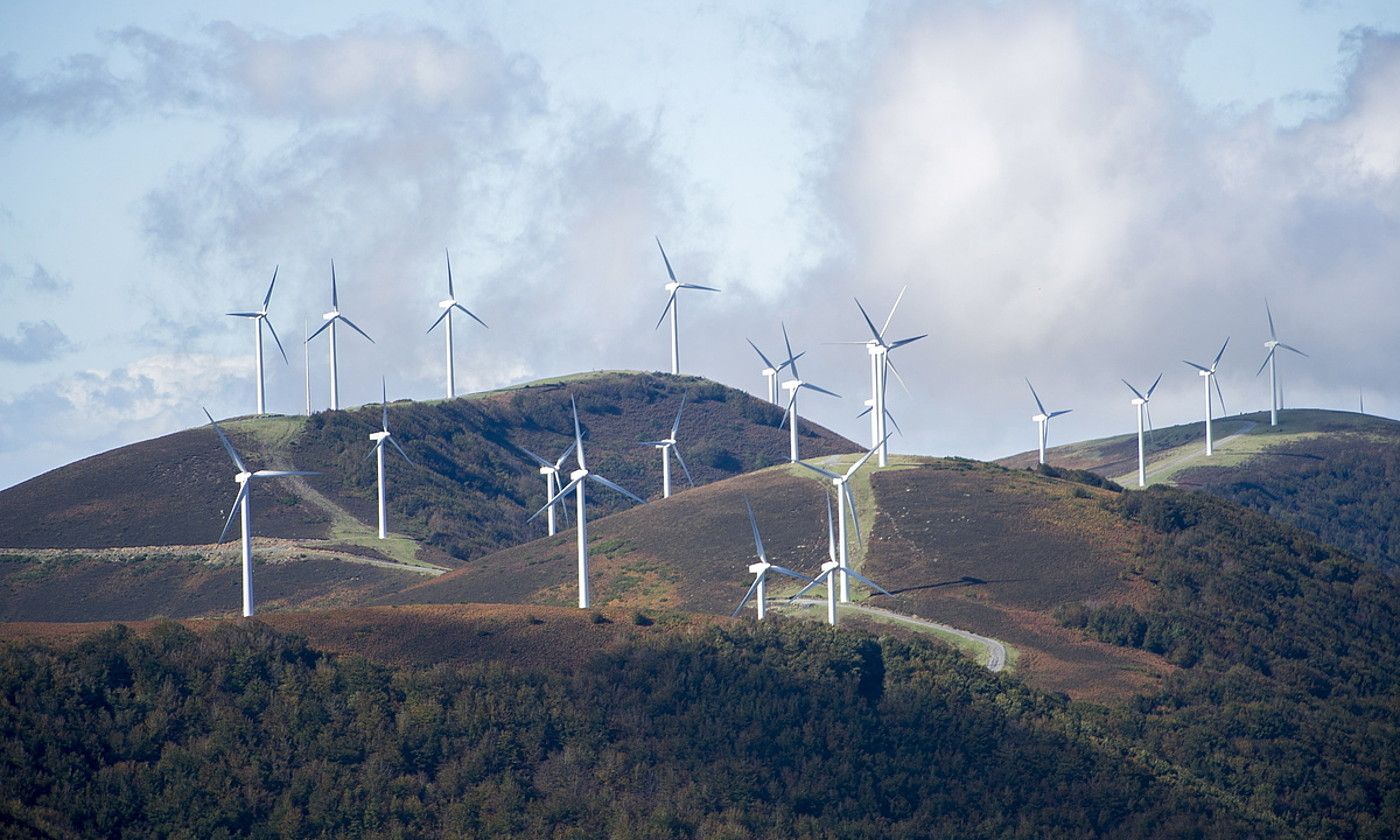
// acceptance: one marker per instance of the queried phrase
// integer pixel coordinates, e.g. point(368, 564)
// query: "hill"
point(1335, 474)
point(470, 493)
point(775, 731)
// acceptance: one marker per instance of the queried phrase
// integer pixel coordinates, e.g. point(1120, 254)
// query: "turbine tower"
point(259, 319)
point(550, 471)
point(1141, 400)
point(668, 446)
point(830, 569)
point(759, 589)
point(306, 362)
point(844, 498)
point(578, 482)
point(379, 439)
point(1209, 374)
point(447, 306)
point(770, 372)
point(1042, 420)
point(879, 348)
point(794, 385)
point(242, 505)
point(330, 318)
point(673, 288)
point(1272, 345)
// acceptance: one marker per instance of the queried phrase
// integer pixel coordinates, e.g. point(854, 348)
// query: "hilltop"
point(1335, 474)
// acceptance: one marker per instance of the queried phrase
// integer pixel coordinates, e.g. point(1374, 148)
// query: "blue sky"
point(1073, 191)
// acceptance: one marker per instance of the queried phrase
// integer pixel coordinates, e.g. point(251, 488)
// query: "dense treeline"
point(1343, 488)
point(1290, 691)
point(777, 731)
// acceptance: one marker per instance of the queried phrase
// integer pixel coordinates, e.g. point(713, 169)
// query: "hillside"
point(776, 731)
point(470, 492)
point(1335, 474)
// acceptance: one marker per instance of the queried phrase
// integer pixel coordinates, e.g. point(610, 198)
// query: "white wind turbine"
point(759, 589)
point(330, 318)
point(578, 483)
point(1042, 420)
point(844, 498)
point(833, 567)
point(259, 319)
point(673, 288)
point(242, 503)
point(550, 471)
point(1273, 344)
point(770, 372)
point(794, 385)
point(380, 438)
point(447, 306)
point(1209, 374)
point(879, 348)
point(1141, 400)
point(668, 446)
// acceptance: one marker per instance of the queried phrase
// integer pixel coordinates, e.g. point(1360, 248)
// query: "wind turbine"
point(578, 483)
point(259, 319)
point(770, 372)
point(1042, 420)
point(1141, 401)
point(673, 288)
point(1209, 374)
point(1272, 345)
point(759, 589)
point(242, 503)
point(668, 446)
point(831, 568)
point(330, 318)
point(794, 385)
point(843, 498)
point(550, 471)
point(879, 349)
point(379, 439)
point(447, 306)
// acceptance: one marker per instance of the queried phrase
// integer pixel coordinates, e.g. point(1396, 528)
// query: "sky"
point(1073, 192)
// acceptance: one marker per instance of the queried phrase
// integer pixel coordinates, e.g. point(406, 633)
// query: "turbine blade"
point(878, 338)
point(817, 581)
point(542, 462)
point(868, 582)
point(557, 496)
point(886, 328)
point(684, 468)
point(319, 330)
point(747, 595)
point(440, 318)
point(851, 503)
point(790, 573)
point(868, 409)
point(1038, 403)
point(619, 488)
point(1058, 413)
point(792, 400)
point(1201, 368)
point(820, 390)
point(791, 359)
point(244, 314)
point(233, 511)
point(470, 314)
point(268, 321)
point(450, 294)
point(1134, 390)
point(795, 358)
point(654, 443)
point(351, 324)
point(401, 452)
point(228, 447)
point(268, 297)
point(866, 457)
point(895, 345)
point(676, 426)
point(1221, 353)
point(816, 469)
point(335, 299)
point(373, 449)
point(890, 417)
point(1220, 394)
point(757, 540)
point(766, 362)
point(1154, 385)
point(892, 369)
point(1273, 335)
point(560, 463)
point(666, 260)
point(698, 286)
point(384, 402)
point(1267, 356)
point(281, 473)
point(670, 302)
point(830, 530)
point(1291, 347)
point(578, 435)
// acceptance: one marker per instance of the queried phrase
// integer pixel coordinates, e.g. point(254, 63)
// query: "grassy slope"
point(1335, 474)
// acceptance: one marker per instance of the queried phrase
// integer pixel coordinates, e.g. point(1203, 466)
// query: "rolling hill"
point(126, 534)
point(1335, 474)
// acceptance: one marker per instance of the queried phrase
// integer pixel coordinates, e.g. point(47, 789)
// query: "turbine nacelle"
point(242, 478)
point(447, 304)
point(578, 475)
point(760, 567)
point(548, 471)
point(1138, 401)
point(378, 436)
point(331, 316)
point(1040, 418)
